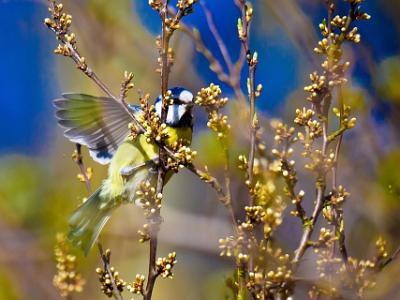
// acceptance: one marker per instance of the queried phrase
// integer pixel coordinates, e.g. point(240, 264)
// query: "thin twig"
point(78, 59)
point(215, 65)
point(165, 68)
point(81, 165)
point(339, 214)
point(309, 228)
point(106, 264)
point(244, 33)
point(323, 110)
point(228, 199)
point(391, 258)
point(218, 39)
point(79, 160)
point(252, 63)
point(166, 34)
point(232, 78)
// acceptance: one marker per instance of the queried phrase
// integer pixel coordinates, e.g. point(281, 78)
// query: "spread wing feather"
point(100, 123)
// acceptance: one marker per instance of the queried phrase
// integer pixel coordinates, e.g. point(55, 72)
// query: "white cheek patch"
point(175, 113)
point(186, 96)
point(157, 107)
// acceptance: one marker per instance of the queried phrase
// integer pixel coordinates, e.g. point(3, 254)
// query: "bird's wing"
point(100, 123)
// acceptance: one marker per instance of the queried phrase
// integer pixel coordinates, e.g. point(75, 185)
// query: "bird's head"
point(180, 111)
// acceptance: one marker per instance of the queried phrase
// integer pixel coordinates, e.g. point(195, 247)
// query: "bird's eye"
point(178, 101)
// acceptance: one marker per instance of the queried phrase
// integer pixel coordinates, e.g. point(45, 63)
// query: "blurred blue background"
point(29, 77)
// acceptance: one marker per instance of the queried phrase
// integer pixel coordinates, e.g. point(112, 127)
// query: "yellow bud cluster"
point(67, 280)
point(151, 122)
point(106, 281)
point(165, 265)
point(147, 197)
point(137, 287)
point(88, 173)
point(185, 4)
point(211, 97)
point(183, 157)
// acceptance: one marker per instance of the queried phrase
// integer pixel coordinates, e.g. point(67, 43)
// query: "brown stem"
point(291, 181)
point(228, 199)
point(391, 258)
point(217, 37)
point(166, 33)
point(309, 228)
point(321, 187)
point(106, 263)
point(252, 92)
point(79, 161)
point(165, 67)
point(77, 58)
point(252, 63)
point(232, 78)
point(339, 214)
point(321, 181)
point(152, 276)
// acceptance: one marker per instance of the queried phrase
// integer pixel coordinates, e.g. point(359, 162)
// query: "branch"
point(391, 258)
point(244, 31)
point(309, 227)
point(232, 78)
point(78, 158)
point(322, 108)
point(168, 28)
point(339, 214)
point(217, 37)
point(165, 68)
point(80, 62)
point(106, 263)
point(215, 65)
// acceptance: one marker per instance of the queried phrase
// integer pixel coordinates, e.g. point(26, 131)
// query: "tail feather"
point(87, 222)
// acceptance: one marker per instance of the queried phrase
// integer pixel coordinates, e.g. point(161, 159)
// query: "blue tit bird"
point(101, 124)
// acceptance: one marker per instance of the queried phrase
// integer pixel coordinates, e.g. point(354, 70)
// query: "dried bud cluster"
point(67, 280)
point(85, 175)
point(156, 4)
point(285, 138)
